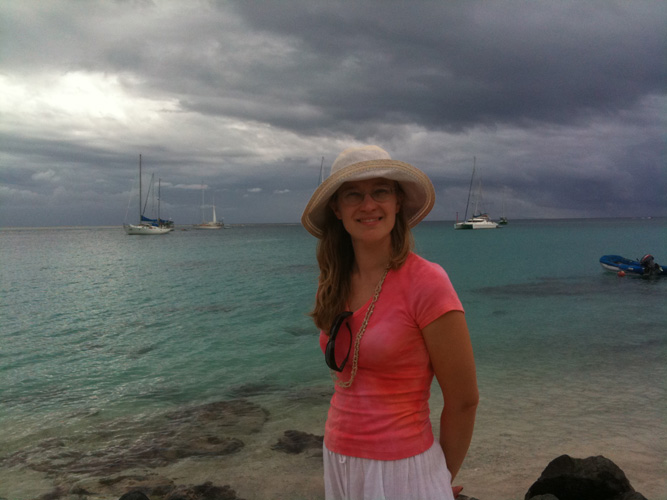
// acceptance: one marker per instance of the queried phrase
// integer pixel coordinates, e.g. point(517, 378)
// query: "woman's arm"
point(449, 347)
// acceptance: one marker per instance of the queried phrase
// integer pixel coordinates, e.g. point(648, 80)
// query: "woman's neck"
point(371, 260)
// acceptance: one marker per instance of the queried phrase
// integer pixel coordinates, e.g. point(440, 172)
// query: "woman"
point(390, 321)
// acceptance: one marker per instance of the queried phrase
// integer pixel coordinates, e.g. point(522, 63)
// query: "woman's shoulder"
point(417, 269)
point(416, 264)
point(426, 288)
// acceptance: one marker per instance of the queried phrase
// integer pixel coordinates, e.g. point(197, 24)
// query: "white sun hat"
point(369, 162)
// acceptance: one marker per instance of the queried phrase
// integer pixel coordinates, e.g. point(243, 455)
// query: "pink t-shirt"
point(384, 415)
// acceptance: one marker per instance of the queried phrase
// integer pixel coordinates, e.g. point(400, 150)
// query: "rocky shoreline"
point(565, 478)
point(125, 459)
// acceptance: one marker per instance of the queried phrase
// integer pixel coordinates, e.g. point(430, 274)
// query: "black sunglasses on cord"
point(330, 351)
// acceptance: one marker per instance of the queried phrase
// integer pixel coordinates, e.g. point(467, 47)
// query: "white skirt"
point(422, 477)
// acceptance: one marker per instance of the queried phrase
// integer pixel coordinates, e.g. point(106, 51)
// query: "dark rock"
point(592, 478)
point(156, 451)
point(154, 486)
point(110, 481)
point(312, 395)
point(205, 491)
point(465, 497)
point(52, 495)
point(134, 495)
point(78, 490)
point(297, 441)
point(631, 495)
point(239, 415)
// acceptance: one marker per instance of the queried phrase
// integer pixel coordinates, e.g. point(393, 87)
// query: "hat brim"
point(419, 193)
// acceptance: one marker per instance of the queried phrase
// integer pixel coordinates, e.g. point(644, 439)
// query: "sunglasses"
point(330, 351)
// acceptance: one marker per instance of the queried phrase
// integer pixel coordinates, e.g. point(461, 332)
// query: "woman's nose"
point(368, 200)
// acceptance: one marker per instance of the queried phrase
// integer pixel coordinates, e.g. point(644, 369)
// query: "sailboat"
point(159, 221)
point(212, 224)
point(479, 220)
point(147, 226)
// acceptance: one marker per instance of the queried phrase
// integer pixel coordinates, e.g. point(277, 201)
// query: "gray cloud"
point(559, 101)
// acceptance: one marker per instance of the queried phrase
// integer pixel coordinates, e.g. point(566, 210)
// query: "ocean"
point(184, 358)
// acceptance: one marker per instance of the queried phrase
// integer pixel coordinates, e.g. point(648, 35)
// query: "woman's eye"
point(352, 196)
point(381, 194)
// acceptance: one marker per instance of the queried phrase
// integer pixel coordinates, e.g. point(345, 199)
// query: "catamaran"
point(479, 220)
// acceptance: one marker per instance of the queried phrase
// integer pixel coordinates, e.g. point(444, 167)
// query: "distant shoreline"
point(265, 224)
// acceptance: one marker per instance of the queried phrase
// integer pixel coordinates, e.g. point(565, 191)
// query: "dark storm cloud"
point(452, 65)
point(560, 102)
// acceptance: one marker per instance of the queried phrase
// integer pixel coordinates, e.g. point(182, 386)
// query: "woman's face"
point(367, 208)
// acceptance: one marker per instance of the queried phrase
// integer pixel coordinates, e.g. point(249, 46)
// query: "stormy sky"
point(562, 103)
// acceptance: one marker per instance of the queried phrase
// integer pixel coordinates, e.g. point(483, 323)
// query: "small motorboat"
point(646, 266)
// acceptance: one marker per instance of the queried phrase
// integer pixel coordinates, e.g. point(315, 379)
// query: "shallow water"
point(102, 333)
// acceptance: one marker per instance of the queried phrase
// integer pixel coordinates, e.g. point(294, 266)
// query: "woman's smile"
point(370, 220)
point(367, 208)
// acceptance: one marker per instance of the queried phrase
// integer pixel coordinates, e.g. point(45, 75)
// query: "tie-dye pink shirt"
point(384, 415)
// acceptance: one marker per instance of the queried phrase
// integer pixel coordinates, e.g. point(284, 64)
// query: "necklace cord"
point(357, 342)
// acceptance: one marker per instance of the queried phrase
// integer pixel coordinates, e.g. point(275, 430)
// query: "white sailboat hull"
point(145, 229)
point(476, 224)
point(471, 225)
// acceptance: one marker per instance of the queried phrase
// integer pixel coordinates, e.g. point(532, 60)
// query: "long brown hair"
point(335, 256)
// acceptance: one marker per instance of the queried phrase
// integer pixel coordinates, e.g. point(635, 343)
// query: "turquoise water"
point(99, 318)
point(95, 322)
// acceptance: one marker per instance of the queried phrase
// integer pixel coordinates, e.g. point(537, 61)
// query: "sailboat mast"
point(474, 163)
point(479, 201)
point(139, 188)
point(203, 214)
point(159, 222)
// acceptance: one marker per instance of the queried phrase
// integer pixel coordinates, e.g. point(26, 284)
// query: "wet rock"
point(312, 395)
point(297, 441)
point(159, 450)
point(206, 430)
point(154, 486)
point(206, 491)
point(239, 414)
point(78, 490)
point(114, 480)
point(631, 496)
point(134, 495)
point(592, 478)
point(52, 495)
